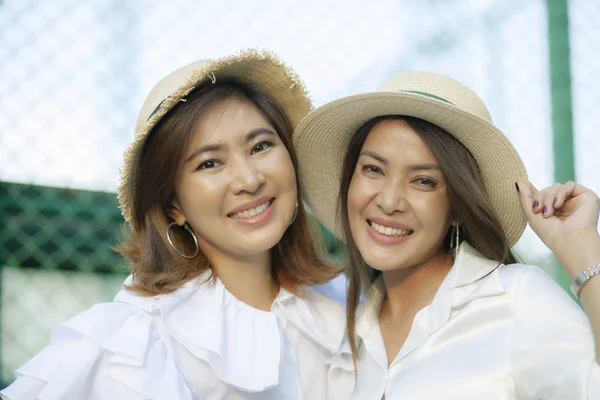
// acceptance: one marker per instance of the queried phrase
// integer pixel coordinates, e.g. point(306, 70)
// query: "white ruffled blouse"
point(198, 342)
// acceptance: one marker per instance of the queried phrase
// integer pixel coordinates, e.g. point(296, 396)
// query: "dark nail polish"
point(517, 186)
point(535, 204)
point(545, 210)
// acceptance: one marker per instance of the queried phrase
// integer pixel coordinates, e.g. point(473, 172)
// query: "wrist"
point(580, 282)
point(579, 252)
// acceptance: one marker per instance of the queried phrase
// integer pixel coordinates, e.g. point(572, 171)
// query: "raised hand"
point(565, 217)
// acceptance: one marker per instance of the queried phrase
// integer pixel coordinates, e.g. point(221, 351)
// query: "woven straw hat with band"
point(321, 141)
point(261, 69)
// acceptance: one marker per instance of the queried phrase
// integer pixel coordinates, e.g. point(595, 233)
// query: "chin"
point(383, 267)
point(387, 260)
point(380, 263)
point(266, 242)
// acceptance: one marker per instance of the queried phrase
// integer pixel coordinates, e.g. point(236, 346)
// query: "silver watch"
point(583, 277)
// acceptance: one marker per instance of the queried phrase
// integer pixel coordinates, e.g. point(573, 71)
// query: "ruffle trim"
point(109, 351)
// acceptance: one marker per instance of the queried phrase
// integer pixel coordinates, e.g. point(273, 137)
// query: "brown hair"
point(480, 226)
point(155, 266)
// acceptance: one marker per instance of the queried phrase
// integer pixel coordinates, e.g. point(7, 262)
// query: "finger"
point(548, 198)
point(560, 198)
point(575, 189)
point(562, 193)
point(526, 193)
point(543, 199)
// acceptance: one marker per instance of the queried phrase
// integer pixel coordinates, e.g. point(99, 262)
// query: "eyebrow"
point(374, 156)
point(257, 132)
point(250, 136)
point(424, 167)
point(414, 167)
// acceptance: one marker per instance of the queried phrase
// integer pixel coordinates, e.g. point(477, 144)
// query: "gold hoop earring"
point(187, 228)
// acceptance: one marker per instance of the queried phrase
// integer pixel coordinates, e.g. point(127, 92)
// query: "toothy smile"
point(386, 230)
point(252, 211)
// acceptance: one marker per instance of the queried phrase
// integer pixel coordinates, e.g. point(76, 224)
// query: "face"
point(236, 184)
point(398, 205)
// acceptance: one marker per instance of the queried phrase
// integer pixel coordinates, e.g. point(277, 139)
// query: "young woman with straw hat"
point(425, 190)
point(220, 303)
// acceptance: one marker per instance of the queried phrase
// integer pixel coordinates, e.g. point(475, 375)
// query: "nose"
point(246, 177)
point(392, 198)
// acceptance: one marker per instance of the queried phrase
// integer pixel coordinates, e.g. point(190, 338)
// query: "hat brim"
point(322, 137)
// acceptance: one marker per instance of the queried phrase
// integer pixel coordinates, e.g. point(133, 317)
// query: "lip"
point(250, 205)
point(386, 223)
point(384, 239)
point(258, 219)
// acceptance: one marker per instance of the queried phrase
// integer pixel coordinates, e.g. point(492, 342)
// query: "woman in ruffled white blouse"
point(429, 209)
point(220, 303)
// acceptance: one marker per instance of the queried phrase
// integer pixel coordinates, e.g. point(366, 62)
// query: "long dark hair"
point(480, 226)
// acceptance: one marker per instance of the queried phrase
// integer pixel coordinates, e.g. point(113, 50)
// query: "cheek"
point(357, 196)
point(362, 189)
point(279, 166)
point(211, 188)
point(209, 185)
point(288, 169)
point(435, 210)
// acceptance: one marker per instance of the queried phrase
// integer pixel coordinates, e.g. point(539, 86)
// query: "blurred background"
point(73, 75)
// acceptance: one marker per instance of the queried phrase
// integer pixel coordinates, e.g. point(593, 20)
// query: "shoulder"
point(522, 277)
point(551, 345)
point(536, 294)
point(327, 302)
point(109, 350)
point(334, 290)
point(150, 304)
point(320, 315)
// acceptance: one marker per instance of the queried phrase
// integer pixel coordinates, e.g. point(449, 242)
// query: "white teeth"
point(252, 212)
point(390, 231)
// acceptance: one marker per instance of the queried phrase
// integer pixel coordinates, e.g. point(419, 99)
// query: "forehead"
point(398, 142)
point(228, 119)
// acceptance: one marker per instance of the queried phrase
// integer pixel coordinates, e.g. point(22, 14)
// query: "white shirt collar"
point(471, 277)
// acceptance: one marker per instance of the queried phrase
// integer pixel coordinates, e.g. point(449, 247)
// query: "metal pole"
point(561, 102)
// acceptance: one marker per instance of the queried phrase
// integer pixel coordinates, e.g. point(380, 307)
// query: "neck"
point(248, 278)
point(410, 289)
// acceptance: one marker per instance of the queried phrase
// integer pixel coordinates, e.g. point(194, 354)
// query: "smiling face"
point(398, 205)
point(235, 184)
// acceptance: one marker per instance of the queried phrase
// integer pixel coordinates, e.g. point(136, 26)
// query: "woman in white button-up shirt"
point(429, 209)
point(220, 303)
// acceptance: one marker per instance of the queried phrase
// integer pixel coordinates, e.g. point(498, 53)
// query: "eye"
point(427, 182)
point(262, 146)
point(371, 169)
point(208, 164)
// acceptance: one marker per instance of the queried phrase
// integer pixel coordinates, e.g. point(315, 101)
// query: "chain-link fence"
point(75, 73)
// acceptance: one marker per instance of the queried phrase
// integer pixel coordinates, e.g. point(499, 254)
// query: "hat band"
point(433, 96)
point(157, 108)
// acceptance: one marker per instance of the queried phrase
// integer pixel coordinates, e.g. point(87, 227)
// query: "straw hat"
point(261, 69)
point(322, 138)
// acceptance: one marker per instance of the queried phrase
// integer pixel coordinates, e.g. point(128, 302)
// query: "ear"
point(176, 213)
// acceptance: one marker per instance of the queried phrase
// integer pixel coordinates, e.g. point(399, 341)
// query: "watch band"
point(583, 277)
